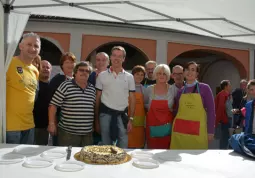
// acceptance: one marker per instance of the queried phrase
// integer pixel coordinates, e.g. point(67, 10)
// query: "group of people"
point(109, 105)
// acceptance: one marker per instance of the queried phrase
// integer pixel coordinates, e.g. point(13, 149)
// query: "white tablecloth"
point(197, 164)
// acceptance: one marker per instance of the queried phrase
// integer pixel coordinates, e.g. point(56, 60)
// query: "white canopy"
point(224, 19)
point(227, 19)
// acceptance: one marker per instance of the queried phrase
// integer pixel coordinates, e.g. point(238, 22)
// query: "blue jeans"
point(20, 137)
point(224, 135)
point(105, 120)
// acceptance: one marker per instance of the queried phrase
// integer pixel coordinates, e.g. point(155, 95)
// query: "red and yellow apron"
point(190, 124)
point(158, 124)
point(136, 136)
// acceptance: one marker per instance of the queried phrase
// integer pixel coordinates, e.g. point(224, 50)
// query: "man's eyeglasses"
point(150, 69)
point(177, 74)
point(84, 70)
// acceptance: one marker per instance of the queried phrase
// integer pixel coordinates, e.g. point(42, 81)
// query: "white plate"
point(26, 150)
point(11, 158)
point(142, 155)
point(146, 163)
point(70, 166)
point(53, 154)
point(37, 163)
point(166, 157)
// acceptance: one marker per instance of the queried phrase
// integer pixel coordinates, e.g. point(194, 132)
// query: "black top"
point(55, 83)
point(147, 82)
point(41, 106)
point(92, 78)
point(238, 95)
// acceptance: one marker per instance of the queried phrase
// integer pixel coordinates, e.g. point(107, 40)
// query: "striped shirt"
point(77, 107)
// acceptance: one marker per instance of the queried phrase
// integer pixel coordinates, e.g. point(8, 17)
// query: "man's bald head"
point(45, 62)
point(102, 61)
point(45, 70)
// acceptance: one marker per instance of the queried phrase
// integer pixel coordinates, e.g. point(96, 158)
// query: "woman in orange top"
point(136, 136)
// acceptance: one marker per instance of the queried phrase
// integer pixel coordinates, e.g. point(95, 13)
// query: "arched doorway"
point(50, 52)
point(215, 67)
point(134, 55)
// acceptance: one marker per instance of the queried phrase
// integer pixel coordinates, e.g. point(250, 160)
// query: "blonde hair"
point(165, 69)
point(120, 48)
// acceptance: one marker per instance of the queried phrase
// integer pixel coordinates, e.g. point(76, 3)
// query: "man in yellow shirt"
point(21, 86)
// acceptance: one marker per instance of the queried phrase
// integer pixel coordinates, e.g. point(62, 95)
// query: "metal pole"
point(7, 9)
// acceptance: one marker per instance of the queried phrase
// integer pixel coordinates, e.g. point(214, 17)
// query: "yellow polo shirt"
point(21, 85)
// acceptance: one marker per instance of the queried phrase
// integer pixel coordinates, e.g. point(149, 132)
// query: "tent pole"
point(7, 10)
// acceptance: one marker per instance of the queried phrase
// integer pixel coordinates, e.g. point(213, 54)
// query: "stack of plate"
point(11, 158)
point(144, 160)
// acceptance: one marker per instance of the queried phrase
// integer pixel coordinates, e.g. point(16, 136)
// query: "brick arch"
point(61, 40)
point(119, 42)
point(92, 42)
point(240, 58)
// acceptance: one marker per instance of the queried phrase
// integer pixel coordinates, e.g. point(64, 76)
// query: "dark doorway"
point(134, 55)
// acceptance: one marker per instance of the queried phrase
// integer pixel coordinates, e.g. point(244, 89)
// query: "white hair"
point(150, 62)
point(103, 53)
point(165, 69)
point(31, 34)
point(243, 81)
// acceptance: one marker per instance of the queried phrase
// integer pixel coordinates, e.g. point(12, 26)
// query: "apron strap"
point(141, 89)
point(153, 91)
point(194, 90)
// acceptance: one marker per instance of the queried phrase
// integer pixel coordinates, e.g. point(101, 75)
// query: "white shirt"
point(115, 88)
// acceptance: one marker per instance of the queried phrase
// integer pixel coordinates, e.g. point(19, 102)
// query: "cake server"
point(69, 151)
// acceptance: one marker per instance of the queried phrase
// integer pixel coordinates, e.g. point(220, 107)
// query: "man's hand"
point(235, 111)
point(129, 126)
point(210, 137)
point(52, 129)
point(97, 126)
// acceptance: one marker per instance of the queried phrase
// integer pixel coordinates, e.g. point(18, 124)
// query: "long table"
point(194, 163)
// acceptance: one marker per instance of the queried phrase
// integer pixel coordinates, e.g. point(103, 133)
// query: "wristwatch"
point(131, 118)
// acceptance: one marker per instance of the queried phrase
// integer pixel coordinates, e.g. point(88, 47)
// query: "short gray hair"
point(103, 53)
point(31, 34)
point(150, 62)
point(177, 66)
point(165, 69)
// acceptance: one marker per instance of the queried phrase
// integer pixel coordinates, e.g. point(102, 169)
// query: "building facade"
point(219, 59)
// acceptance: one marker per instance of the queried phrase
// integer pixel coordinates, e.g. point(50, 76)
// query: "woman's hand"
point(210, 137)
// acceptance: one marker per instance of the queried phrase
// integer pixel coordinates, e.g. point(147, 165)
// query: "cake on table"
point(106, 154)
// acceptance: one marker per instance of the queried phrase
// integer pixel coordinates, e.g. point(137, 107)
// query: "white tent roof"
point(225, 19)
